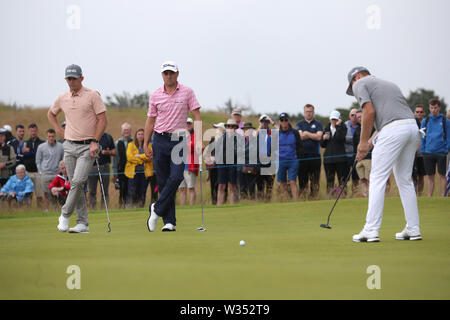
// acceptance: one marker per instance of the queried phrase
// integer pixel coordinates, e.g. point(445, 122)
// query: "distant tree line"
point(126, 100)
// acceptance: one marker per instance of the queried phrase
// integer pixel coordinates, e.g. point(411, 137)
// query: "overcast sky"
point(274, 55)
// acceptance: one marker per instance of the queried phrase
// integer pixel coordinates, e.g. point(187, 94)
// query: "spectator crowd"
point(242, 161)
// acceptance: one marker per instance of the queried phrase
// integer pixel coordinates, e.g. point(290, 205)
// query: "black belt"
point(169, 134)
point(83, 141)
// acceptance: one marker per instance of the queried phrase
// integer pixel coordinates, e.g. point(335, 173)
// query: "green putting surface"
point(286, 256)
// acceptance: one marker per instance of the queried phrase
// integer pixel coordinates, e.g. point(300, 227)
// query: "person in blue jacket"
point(435, 145)
point(289, 151)
point(19, 187)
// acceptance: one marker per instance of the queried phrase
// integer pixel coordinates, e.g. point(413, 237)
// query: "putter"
point(327, 225)
point(202, 228)
point(103, 194)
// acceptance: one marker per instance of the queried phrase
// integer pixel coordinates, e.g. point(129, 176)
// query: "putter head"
point(326, 226)
point(201, 229)
point(109, 227)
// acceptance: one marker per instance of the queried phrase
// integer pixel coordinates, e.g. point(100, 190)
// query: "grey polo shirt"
point(48, 157)
point(386, 97)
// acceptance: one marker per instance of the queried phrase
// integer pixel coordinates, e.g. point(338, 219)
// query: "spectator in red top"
point(190, 170)
point(60, 185)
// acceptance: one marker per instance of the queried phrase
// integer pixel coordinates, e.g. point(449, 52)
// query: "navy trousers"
point(169, 176)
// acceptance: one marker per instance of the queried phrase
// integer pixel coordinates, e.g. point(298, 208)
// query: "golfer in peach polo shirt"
point(86, 121)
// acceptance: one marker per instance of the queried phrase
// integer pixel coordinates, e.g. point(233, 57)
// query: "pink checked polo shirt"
point(171, 111)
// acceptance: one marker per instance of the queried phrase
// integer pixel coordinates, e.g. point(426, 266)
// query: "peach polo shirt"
point(81, 110)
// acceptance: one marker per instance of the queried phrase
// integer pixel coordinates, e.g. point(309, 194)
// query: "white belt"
point(400, 122)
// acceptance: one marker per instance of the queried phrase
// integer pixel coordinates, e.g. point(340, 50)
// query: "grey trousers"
point(78, 164)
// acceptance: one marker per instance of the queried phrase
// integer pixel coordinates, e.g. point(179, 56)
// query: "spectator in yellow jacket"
point(138, 170)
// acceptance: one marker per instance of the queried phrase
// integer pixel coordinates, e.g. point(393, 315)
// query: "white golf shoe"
point(79, 228)
point(408, 235)
point(366, 236)
point(168, 227)
point(63, 225)
point(152, 219)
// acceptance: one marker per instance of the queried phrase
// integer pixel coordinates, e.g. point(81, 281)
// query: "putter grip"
point(200, 162)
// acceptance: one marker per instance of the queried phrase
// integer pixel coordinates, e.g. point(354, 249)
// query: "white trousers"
point(395, 147)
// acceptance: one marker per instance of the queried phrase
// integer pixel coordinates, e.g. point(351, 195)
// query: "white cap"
point(232, 122)
point(335, 115)
point(7, 127)
point(263, 117)
point(169, 65)
point(219, 125)
point(189, 120)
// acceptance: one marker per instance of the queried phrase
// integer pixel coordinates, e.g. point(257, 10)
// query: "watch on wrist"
point(95, 140)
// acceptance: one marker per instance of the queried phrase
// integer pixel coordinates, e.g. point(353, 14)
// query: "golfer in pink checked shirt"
point(169, 108)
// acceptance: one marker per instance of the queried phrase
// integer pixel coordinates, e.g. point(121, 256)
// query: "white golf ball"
point(242, 243)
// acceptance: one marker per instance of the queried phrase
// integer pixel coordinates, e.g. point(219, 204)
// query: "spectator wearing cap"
point(264, 182)
point(351, 125)
point(311, 132)
point(210, 162)
point(250, 170)
point(8, 133)
point(29, 160)
point(63, 126)
point(289, 150)
point(236, 114)
point(48, 156)
point(191, 168)
point(18, 143)
point(19, 187)
point(85, 116)
point(7, 158)
point(226, 160)
point(168, 110)
point(334, 157)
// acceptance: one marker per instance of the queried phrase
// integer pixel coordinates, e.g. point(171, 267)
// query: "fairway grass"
point(286, 256)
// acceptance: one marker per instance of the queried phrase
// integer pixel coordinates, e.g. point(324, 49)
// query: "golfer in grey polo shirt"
point(385, 107)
